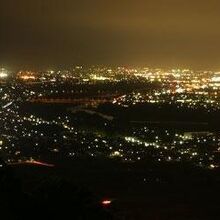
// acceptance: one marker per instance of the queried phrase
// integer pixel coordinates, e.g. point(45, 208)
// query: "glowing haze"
point(164, 33)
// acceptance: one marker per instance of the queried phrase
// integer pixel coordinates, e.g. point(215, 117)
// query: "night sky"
point(159, 33)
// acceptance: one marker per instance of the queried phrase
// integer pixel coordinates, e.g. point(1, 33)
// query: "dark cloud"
point(39, 33)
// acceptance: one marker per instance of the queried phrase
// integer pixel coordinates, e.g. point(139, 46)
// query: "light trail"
point(33, 162)
point(7, 105)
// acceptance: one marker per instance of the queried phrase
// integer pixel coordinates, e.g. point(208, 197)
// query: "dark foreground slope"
point(138, 191)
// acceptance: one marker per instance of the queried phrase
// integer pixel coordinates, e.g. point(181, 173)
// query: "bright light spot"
point(3, 73)
point(106, 202)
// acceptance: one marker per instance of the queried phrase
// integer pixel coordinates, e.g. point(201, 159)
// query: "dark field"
point(140, 191)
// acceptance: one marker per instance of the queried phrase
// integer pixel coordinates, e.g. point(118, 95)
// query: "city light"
point(106, 202)
point(3, 73)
